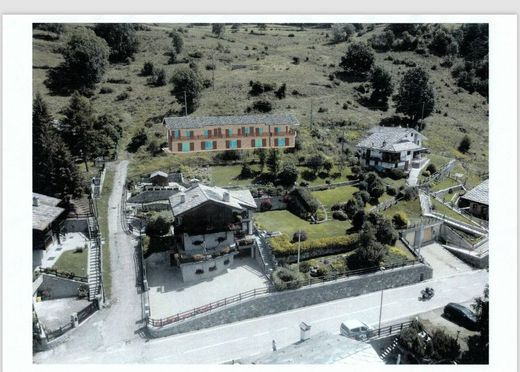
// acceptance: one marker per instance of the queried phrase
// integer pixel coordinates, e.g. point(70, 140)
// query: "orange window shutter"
point(179, 147)
point(214, 145)
point(239, 144)
point(264, 142)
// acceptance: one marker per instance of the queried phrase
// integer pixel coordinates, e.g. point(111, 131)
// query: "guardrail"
point(208, 307)
point(388, 330)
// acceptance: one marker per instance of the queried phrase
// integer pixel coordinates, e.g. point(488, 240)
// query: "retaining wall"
point(473, 260)
point(305, 296)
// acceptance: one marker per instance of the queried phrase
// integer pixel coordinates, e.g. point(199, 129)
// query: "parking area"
point(443, 262)
point(169, 295)
point(434, 320)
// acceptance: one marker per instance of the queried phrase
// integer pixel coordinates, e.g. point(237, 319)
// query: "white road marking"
point(260, 334)
point(215, 345)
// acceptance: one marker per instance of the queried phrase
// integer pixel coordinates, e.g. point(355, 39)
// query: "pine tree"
point(273, 162)
point(415, 97)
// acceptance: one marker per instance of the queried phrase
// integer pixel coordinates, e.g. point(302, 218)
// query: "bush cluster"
point(282, 246)
point(284, 278)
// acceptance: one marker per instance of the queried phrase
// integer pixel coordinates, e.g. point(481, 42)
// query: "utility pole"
point(299, 240)
point(380, 311)
point(185, 105)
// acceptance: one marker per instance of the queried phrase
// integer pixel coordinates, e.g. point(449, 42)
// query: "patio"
point(69, 242)
point(169, 295)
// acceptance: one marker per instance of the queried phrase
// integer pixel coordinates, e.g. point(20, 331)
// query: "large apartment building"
point(219, 133)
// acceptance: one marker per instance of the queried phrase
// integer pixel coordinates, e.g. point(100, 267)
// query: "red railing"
point(208, 307)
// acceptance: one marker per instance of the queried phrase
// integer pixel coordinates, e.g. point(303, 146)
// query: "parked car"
point(355, 329)
point(461, 315)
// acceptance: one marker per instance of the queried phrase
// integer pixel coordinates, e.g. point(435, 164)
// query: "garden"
point(73, 261)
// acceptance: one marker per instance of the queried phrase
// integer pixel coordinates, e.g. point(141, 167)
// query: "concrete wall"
point(306, 296)
point(473, 260)
point(60, 287)
point(76, 225)
point(188, 269)
point(452, 238)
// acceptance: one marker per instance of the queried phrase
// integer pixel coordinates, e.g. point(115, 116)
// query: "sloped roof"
point(44, 214)
point(188, 122)
point(322, 348)
point(200, 194)
point(479, 194)
point(394, 139)
point(159, 173)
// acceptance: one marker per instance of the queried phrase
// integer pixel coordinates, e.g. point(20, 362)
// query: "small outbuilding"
point(159, 178)
point(476, 201)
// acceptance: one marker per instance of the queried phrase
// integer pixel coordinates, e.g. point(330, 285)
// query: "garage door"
point(428, 235)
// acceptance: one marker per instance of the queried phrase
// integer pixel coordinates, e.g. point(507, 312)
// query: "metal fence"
point(388, 330)
point(89, 310)
point(61, 274)
point(208, 307)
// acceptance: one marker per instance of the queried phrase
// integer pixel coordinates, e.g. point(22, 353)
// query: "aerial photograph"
point(260, 193)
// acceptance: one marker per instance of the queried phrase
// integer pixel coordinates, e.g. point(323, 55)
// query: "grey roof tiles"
point(189, 122)
point(479, 194)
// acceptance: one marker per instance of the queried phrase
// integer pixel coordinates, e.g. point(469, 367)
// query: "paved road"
point(118, 324)
point(254, 336)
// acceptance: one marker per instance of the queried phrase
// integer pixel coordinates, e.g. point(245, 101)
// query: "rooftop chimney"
point(226, 196)
point(183, 197)
point(36, 201)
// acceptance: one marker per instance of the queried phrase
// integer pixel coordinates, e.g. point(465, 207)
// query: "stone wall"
point(471, 259)
point(189, 270)
point(59, 287)
point(305, 296)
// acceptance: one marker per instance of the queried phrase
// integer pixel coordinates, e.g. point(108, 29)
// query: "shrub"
point(313, 247)
point(464, 145)
point(106, 90)
point(358, 59)
point(266, 205)
point(400, 220)
point(147, 69)
point(158, 226)
point(305, 266)
point(305, 198)
point(396, 174)
point(339, 215)
point(301, 235)
point(284, 278)
point(426, 173)
point(365, 196)
point(262, 106)
point(158, 78)
point(122, 96)
point(431, 168)
point(390, 190)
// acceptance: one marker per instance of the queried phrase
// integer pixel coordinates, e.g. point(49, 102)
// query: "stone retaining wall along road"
point(305, 296)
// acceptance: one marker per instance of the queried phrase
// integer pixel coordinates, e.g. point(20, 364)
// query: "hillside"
point(304, 59)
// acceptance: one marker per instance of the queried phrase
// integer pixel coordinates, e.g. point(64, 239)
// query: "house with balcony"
point(211, 226)
point(219, 133)
point(476, 201)
point(47, 221)
point(392, 148)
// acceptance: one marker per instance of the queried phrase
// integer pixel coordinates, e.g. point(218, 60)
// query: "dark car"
point(461, 315)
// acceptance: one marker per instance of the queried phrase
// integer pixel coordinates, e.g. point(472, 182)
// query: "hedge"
point(282, 246)
point(284, 278)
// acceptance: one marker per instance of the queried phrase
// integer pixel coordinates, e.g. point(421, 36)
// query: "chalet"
point(219, 133)
point(476, 201)
point(210, 226)
point(47, 219)
point(390, 147)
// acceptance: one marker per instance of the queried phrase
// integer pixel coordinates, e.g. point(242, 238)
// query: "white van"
point(355, 329)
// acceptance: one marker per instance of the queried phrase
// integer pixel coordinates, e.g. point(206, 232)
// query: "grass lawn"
point(412, 208)
point(74, 262)
point(102, 206)
point(448, 212)
point(229, 175)
point(288, 223)
point(336, 195)
point(444, 184)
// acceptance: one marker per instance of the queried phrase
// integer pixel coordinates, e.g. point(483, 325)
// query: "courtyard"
point(68, 255)
point(169, 295)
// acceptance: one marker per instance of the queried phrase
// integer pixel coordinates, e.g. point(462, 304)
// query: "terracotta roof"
point(479, 194)
point(188, 122)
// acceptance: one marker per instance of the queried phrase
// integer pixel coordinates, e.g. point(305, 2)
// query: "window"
point(408, 153)
point(206, 133)
point(187, 133)
point(258, 142)
point(264, 142)
point(231, 144)
point(229, 132)
point(208, 145)
point(246, 131)
point(192, 146)
point(185, 147)
point(239, 144)
point(252, 143)
point(281, 142)
point(260, 131)
point(276, 130)
point(276, 142)
point(176, 133)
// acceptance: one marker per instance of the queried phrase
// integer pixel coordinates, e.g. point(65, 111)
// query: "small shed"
point(159, 178)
